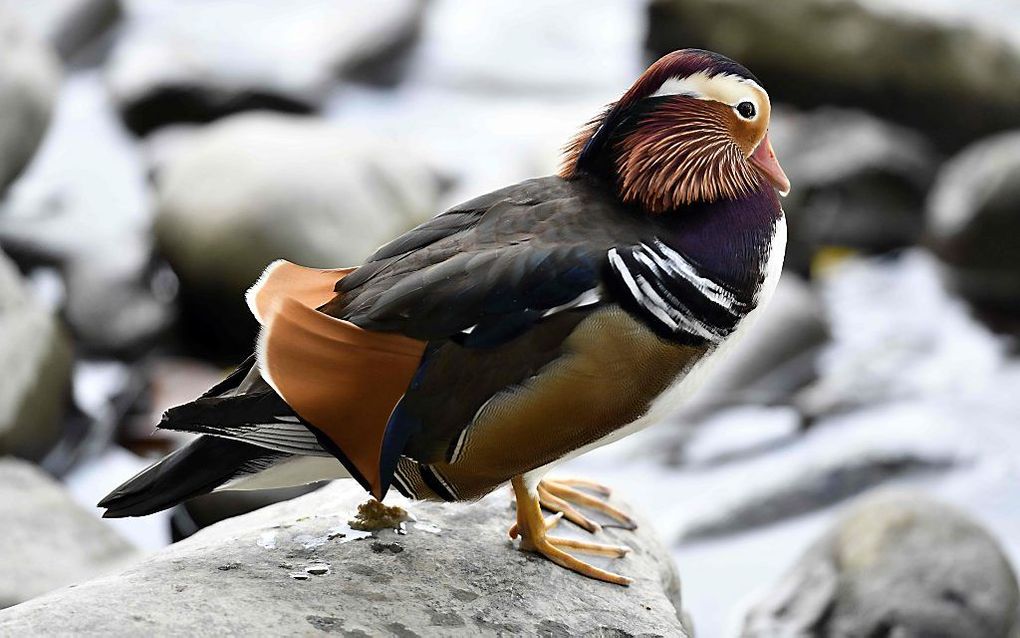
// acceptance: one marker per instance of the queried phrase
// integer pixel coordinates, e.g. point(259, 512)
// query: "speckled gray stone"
point(452, 572)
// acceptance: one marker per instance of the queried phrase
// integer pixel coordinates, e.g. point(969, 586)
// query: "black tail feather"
point(226, 411)
point(195, 469)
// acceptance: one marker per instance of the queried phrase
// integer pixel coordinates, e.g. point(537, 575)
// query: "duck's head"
point(693, 128)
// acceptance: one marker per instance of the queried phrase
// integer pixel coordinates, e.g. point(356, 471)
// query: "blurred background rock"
point(155, 155)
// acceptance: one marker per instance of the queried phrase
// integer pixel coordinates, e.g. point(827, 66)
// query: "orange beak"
point(765, 159)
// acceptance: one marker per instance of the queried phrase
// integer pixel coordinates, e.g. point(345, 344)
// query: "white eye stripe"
point(725, 88)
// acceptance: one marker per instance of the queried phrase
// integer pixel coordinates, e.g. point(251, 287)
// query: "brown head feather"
point(677, 152)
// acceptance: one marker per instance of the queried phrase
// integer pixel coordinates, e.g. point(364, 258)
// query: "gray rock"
point(85, 208)
point(36, 358)
point(453, 572)
point(259, 187)
point(198, 513)
point(809, 490)
point(68, 25)
point(858, 182)
point(195, 61)
point(29, 79)
point(49, 541)
point(941, 76)
point(973, 223)
point(898, 564)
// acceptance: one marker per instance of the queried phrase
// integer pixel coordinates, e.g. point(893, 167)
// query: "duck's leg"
point(533, 530)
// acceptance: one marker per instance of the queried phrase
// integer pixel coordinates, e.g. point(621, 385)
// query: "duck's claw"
point(560, 495)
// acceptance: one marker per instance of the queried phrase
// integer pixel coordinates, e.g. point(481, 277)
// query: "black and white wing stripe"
point(664, 288)
point(261, 419)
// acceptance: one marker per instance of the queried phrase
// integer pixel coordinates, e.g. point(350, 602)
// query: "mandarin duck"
point(514, 331)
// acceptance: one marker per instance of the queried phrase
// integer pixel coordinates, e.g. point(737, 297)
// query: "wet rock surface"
point(48, 540)
point(297, 568)
point(815, 52)
point(36, 356)
point(29, 80)
point(196, 61)
point(260, 187)
point(973, 223)
point(898, 564)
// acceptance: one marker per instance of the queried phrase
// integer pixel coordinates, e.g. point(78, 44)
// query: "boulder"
point(942, 76)
point(297, 568)
point(49, 540)
point(84, 207)
point(29, 80)
point(259, 187)
point(859, 183)
point(974, 226)
point(68, 25)
point(195, 61)
point(898, 564)
point(36, 356)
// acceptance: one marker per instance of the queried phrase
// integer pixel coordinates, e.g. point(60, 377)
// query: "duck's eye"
point(746, 110)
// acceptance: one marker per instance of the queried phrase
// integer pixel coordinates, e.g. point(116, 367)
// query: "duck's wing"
point(479, 276)
point(485, 271)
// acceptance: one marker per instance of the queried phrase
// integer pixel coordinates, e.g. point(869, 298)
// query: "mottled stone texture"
point(296, 568)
